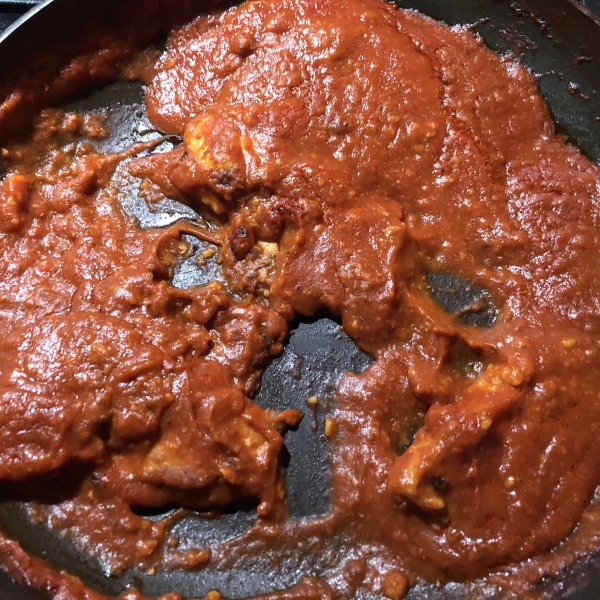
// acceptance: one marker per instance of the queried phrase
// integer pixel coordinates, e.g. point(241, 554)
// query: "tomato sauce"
point(338, 154)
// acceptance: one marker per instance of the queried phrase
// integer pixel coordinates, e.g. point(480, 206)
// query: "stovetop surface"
point(11, 10)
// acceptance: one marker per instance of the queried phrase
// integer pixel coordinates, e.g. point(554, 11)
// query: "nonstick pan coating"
point(560, 44)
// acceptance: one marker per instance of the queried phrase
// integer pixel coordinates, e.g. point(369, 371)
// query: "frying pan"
point(560, 42)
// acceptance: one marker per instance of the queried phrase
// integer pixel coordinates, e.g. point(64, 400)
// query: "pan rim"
point(30, 14)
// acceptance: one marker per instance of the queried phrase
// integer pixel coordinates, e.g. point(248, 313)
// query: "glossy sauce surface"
point(337, 157)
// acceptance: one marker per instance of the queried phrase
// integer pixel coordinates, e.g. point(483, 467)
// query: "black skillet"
point(559, 42)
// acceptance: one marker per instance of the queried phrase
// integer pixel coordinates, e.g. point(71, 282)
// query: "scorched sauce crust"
point(337, 153)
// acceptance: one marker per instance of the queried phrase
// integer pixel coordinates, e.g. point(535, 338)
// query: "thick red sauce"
point(337, 152)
